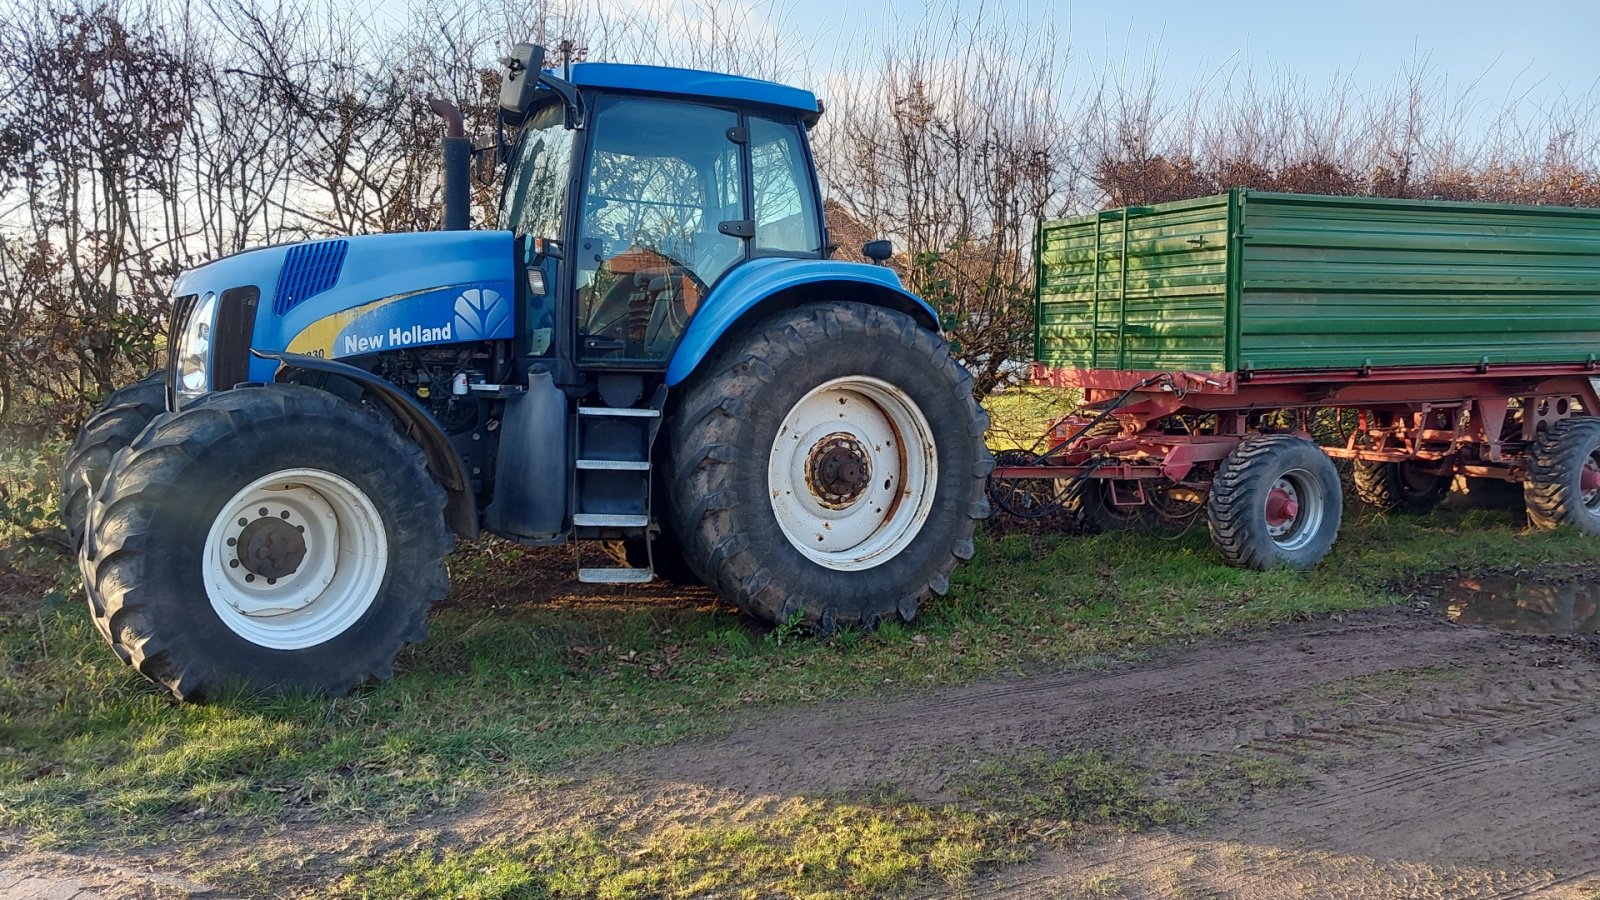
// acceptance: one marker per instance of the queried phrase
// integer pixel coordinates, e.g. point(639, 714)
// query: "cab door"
point(662, 216)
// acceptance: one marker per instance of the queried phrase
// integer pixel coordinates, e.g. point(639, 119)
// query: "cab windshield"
point(535, 200)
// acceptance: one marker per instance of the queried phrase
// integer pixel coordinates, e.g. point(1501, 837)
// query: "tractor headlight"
point(194, 349)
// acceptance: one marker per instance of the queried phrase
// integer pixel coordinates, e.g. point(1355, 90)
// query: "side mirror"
point(518, 80)
point(878, 251)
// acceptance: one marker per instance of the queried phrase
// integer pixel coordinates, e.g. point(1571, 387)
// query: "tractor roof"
point(697, 84)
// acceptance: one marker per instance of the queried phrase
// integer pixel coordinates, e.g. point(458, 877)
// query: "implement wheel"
point(269, 538)
point(112, 427)
point(1406, 485)
point(1276, 501)
point(1093, 505)
point(1563, 485)
point(830, 467)
point(1024, 498)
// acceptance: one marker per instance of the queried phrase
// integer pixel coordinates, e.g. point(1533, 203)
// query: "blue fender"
point(771, 283)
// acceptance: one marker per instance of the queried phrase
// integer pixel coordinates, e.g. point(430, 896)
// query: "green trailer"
point(1227, 347)
point(1249, 281)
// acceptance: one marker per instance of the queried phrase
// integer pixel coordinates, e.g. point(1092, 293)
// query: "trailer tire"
point(1276, 501)
point(842, 379)
point(1095, 511)
point(1387, 486)
point(201, 592)
point(1563, 486)
point(112, 427)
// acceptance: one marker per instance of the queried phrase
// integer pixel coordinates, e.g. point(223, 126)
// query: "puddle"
point(1502, 601)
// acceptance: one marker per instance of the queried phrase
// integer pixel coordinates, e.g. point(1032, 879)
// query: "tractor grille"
point(309, 270)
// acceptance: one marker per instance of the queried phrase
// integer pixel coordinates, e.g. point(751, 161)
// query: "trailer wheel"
point(1093, 506)
point(1388, 486)
point(830, 467)
point(270, 538)
point(1276, 501)
point(112, 427)
point(1563, 486)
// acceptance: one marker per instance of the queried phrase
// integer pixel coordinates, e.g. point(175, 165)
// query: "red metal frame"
point(1452, 416)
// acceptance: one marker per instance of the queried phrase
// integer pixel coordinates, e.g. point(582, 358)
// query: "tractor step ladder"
point(611, 483)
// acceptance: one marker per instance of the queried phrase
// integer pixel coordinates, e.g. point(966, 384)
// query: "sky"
point(1538, 51)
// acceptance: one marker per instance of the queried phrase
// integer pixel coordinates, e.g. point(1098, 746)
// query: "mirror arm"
point(568, 92)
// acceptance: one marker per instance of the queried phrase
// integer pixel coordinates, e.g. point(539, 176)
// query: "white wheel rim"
point(295, 558)
point(852, 473)
point(1299, 528)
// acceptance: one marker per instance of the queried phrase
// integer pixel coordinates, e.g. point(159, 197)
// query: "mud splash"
point(1523, 604)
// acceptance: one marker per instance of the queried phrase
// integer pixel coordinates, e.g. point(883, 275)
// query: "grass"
point(805, 847)
point(1078, 791)
point(511, 692)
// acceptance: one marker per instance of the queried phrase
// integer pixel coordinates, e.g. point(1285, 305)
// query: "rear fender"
point(342, 379)
point(762, 287)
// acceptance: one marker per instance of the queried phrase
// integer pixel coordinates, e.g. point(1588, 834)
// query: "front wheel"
point(1276, 501)
point(112, 427)
point(270, 538)
point(830, 467)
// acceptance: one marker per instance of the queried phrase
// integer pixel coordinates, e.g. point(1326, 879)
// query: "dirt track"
point(1433, 760)
point(1443, 761)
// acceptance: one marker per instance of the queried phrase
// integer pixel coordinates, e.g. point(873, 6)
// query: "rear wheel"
point(1563, 486)
point(1399, 485)
point(112, 427)
point(830, 467)
point(1276, 501)
point(273, 538)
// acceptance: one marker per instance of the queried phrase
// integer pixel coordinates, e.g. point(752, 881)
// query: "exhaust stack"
point(456, 153)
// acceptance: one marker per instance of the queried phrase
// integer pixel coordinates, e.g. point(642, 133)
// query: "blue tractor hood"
point(351, 296)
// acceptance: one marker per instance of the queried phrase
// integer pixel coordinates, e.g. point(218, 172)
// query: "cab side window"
point(784, 200)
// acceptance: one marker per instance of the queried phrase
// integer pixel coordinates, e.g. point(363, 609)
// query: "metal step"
point(615, 465)
point(606, 520)
point(615, 576)
point(620, 411)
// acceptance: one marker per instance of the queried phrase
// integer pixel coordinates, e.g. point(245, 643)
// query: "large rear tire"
point(830, 467)
point(1276, 501)
point(111, 428)
point(1387, 486)
point(1563, 486)
point(266, 538)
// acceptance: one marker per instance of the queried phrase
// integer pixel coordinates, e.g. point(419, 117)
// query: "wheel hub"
point(838, 470)
point(1589, 482)
point(271, 547)
point(1282, 506)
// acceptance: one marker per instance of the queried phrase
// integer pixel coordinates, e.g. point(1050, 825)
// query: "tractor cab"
point(635, 190)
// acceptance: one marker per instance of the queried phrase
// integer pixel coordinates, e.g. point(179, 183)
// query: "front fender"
point(461, 510)
point(763, 286)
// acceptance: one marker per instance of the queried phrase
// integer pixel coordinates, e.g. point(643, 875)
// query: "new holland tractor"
point(654, 353)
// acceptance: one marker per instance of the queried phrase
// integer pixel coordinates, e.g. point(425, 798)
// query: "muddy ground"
point(1427, 759)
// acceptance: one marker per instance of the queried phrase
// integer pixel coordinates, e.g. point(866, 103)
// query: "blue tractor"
point(653, 360)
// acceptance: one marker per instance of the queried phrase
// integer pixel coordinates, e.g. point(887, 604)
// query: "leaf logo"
point(482, 314)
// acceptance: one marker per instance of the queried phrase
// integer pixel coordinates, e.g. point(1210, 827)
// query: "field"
point(1076, 715)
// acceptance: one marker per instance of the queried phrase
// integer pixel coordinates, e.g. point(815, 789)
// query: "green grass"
point(804, 848)
point(1020, 416)
point(509, 692)
point(1084, 790)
